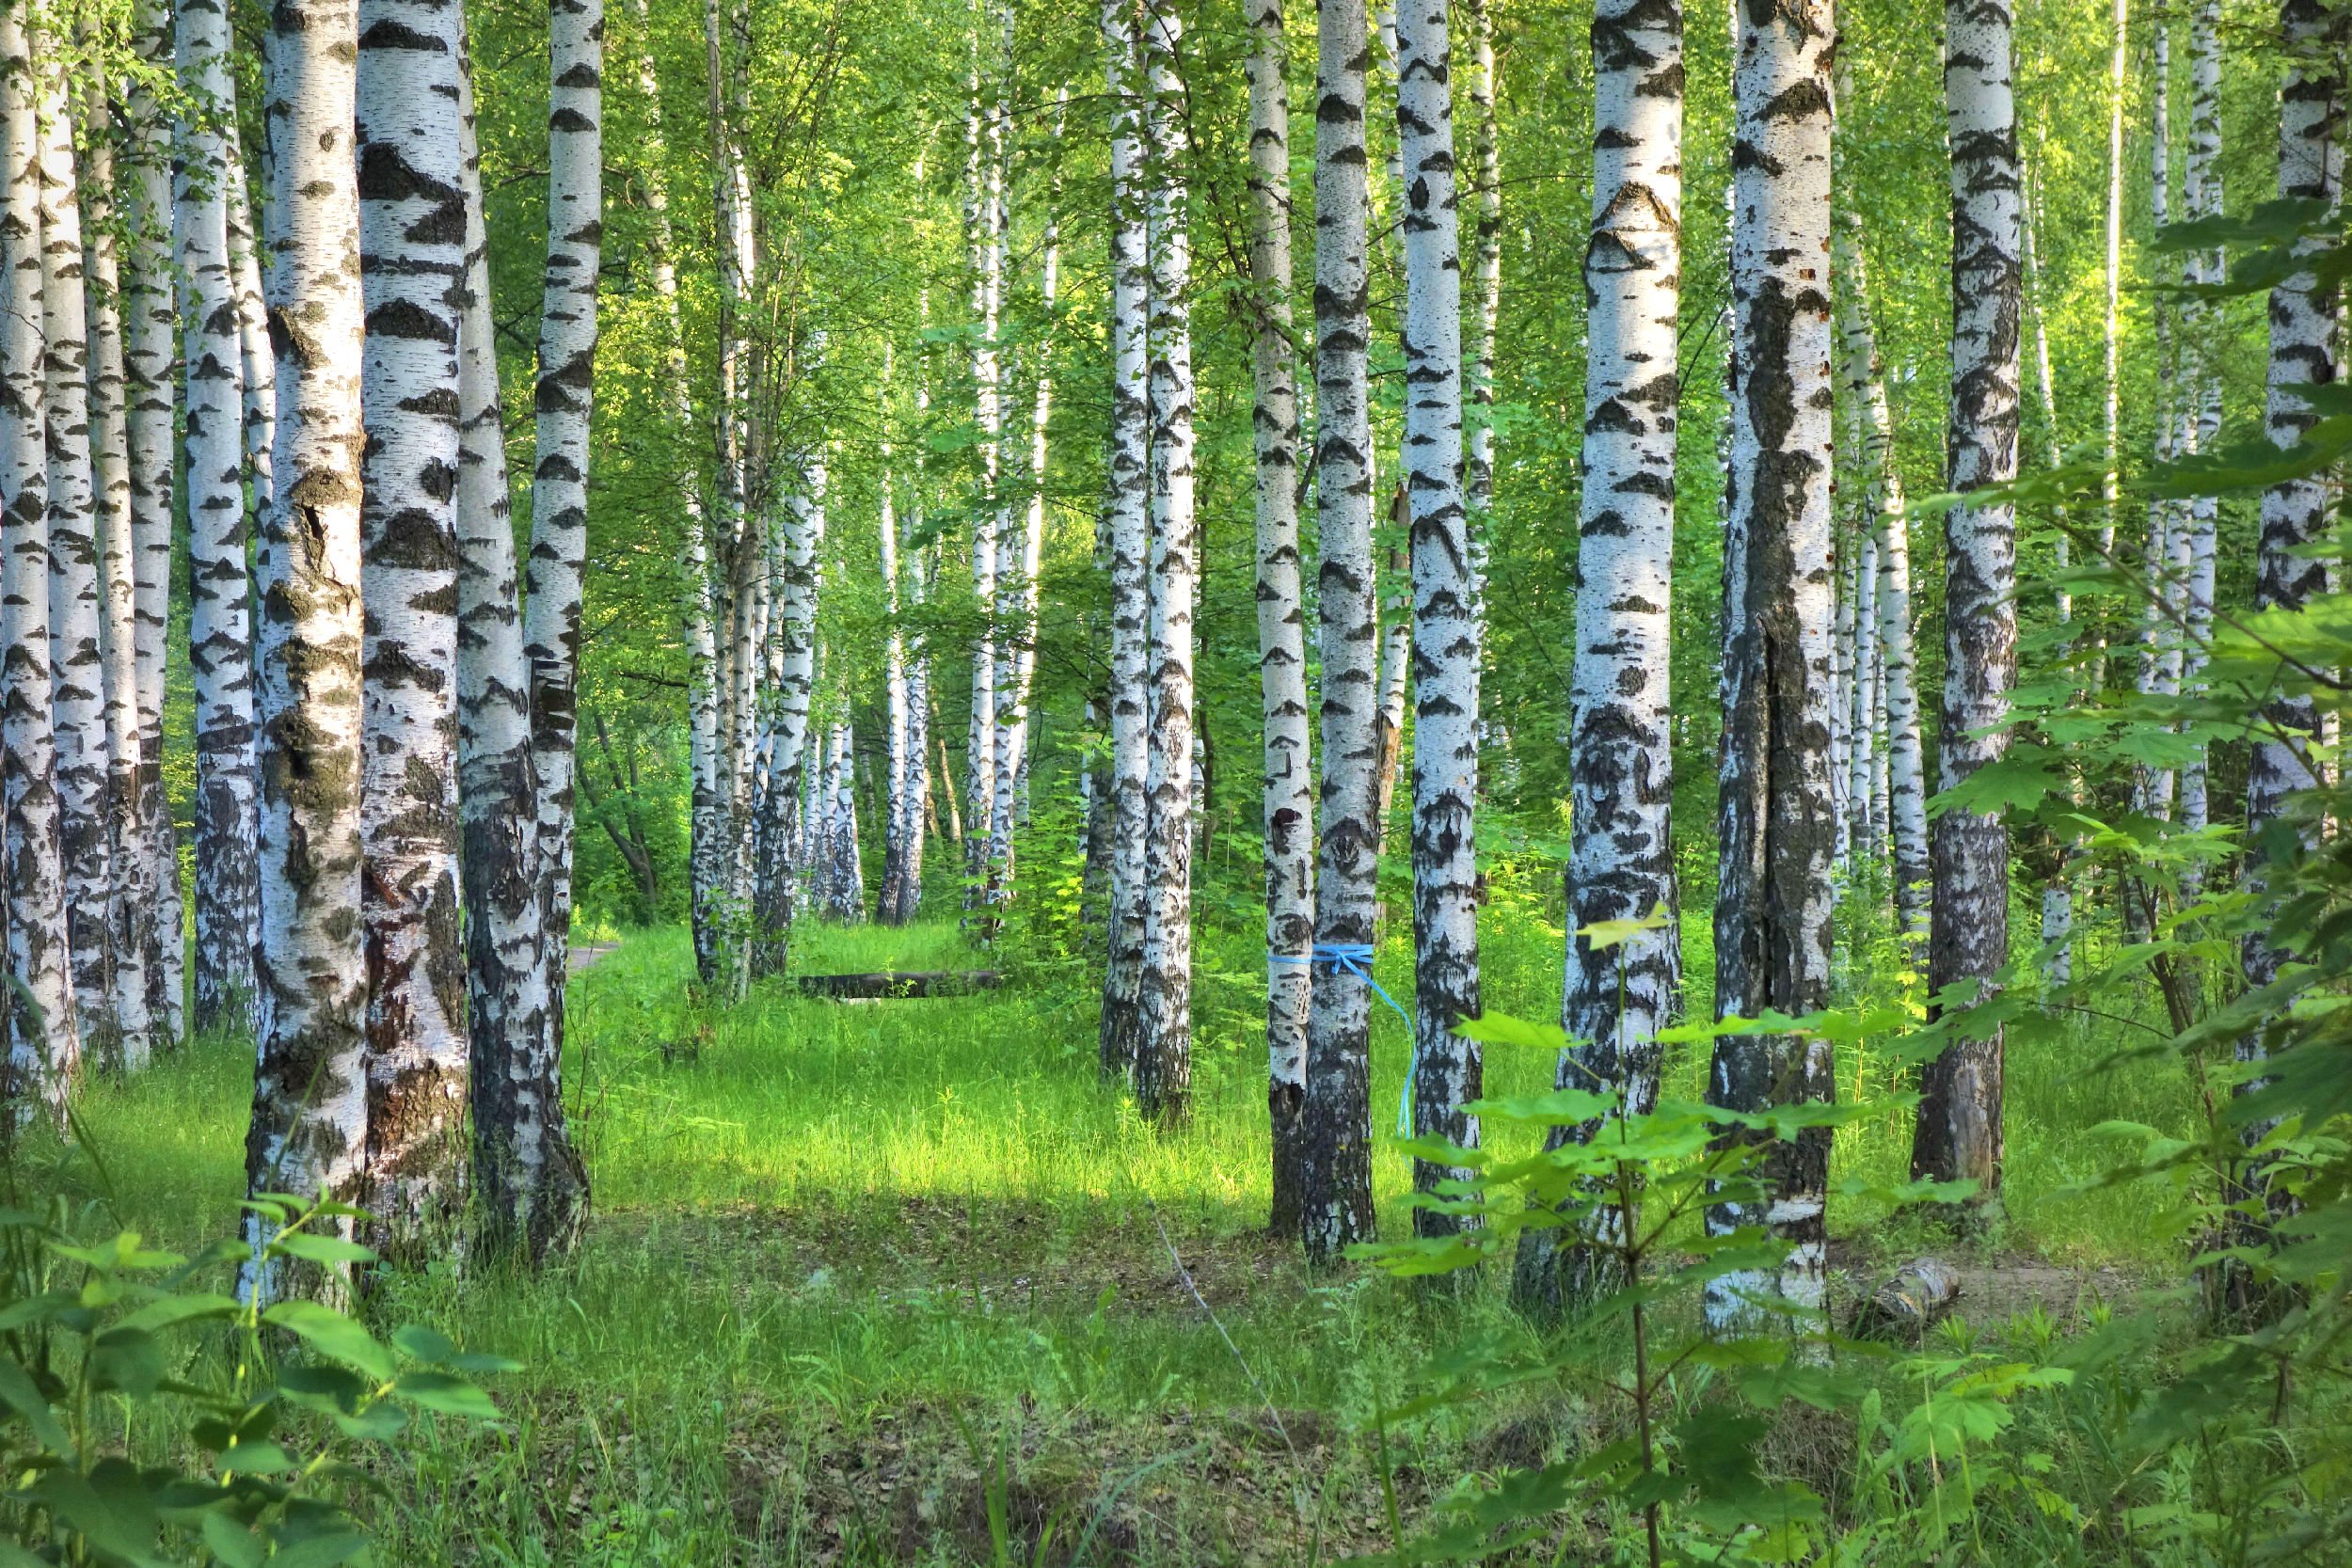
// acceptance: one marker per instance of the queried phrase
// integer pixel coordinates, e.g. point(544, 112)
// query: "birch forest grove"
point(1104, 782)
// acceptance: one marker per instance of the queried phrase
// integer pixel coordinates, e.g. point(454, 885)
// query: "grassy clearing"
point(894, 1281)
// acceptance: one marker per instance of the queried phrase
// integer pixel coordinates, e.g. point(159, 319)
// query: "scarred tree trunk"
point(1289, 801)
point(1447, 1068)
point(1959, 1130)
point(1772, 929)
point(1339, 1027)
point(220, 654)
point(532, 1188)
point(76, 653)
point(1130, 541)
point(310, 1091)
point(412, 260)
point(1621, 855)
point(43, 1040)
point(1164, 1044)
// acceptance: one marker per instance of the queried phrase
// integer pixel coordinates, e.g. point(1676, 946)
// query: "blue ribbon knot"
point(1355, 957)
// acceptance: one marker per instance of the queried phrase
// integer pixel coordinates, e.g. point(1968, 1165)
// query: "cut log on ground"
point(898, 982)
point(1911, 1302)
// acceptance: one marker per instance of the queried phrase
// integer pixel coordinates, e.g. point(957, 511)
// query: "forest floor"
point(899, 1283)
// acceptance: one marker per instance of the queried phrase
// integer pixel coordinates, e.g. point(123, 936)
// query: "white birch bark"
point(311, 1092)
point(890, 898)
point(1163, 1073)
point(1337, 1208)
point(1446, 1071)
point(1288, 809)
point(43, 1053)
point(1621, 852)
point(848, 878)
point(792, 641)
point(1130, 536)
point(984, 222)
point(2201, 193)
point(1773, 927)
point(2057, 892)
point(129, 862)
point(1958, 1135)
point(2119, 61)
point(917, 560)
point(1479, 87)
point(412, 261)
point(219, 591)
point(76, 618)
point(2152, 788)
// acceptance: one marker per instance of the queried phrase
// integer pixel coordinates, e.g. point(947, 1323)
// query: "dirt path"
point(587, 955)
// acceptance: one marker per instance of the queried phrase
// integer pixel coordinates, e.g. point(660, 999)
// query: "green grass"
point(888, 1280)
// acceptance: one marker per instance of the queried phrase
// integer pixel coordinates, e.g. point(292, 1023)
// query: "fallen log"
point(898, 982)
point(1918, 1297)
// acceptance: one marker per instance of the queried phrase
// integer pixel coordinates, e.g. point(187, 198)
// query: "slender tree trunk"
point(76, 633)
point(1446, 1067)
point(2057, 891)
point(2152, 788)
point(1958, 1136)
point(1486, 287)
point(1621, 856)
point(311, 1089)
point(1164, 1046)
point(219, 614)
point(890, 899)
point(43, 1037)
point(1396, 664)
point(1773, 927)
point(792, 642)
point(1130, 542)
point(1337, 1192)
point(412, 263)
point(1289, 753)
point(2119, 62)
point(2202, 196)
point(131, 902)
point(916, 557)
point(984, 233)
point(150, 326)
point(535, 1191)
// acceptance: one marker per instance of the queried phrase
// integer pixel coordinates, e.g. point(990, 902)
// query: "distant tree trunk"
point(2118, 63)
point(1396, 665)
point(2303, 357)
point(1338, 1196)
point(412, 263)
point(2160, 658)
point(131, 902)
point(1289, 744)
point(1130, 542)
point(77, 659)
point(1164, 1046)
point(151, 320)
point(915, 558)
point(2057, 891)
point(984, 137)
point(1621, 856)
point(44, 1038)
point(1773, 927)
point(532, 1187)
point(1897, 805)
point(2202, 196)
point(1486, 169)
point(890, 901)
point(792, 636)
point(1958, 1135)
point(839, 795)
point(311, 1089)
point(220, 653)
point(1446, 1068)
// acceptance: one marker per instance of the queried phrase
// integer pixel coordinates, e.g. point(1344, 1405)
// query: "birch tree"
point(1338, 1197)
point(1958, 1135)
point(220, 656)
point(1445, 641)
point(1288, 810)
point(1621, 856)
point(1164, 1046)
point(1130, 535)
point(2152, 788)
point(1487, 163)
point(412, 260)
point(984, 222)
point(2202, 195)
point(1773, 908)
point(310, 1090)
point(44, 1038)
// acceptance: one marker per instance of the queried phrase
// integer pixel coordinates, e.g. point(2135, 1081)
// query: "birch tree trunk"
point(1773, 927)
point(793, 643)
point(412, 261)
point(76, 630)
point(1621, 853)
point(2303, 358)
point(984, 224)
point(2057, 891)
point(43, 1037)
point(1164, 1046)
point(916, 557)
point(1486, 162)
point(1289, 754)
point(311, 1089)
point(2119, 62)
point(131, 901)
point(1338, 1206)
point(151, 325)
point(2202, 195)
point(1446, 1067)
point(890, 898)
point(1130, 542)
point(219, 613)
point(536, 1192)
point(1958, 1135)
point(2152, 788)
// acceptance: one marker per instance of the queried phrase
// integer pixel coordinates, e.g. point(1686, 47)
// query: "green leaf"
point(330, 1250)
point(18, 1394)
point(447, 1393)
point(331, 1333)
point(231, 1541)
